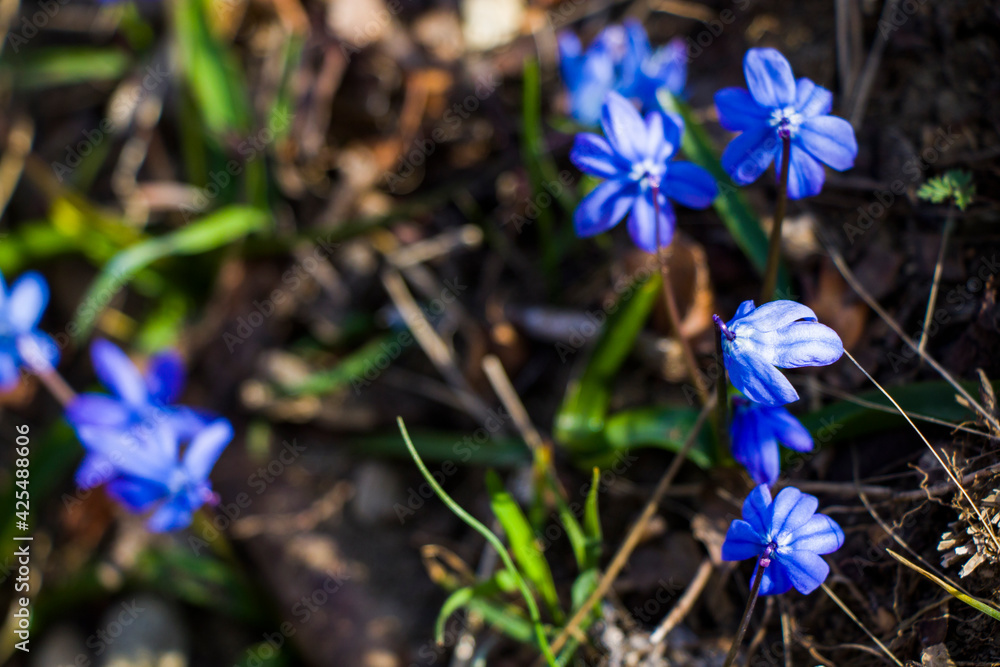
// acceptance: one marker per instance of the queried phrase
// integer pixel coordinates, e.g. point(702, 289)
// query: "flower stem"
point(949, 226)
point(57, 386)
point(745, 622)
point(721, 398)
point(663, 254)
point(774, 248)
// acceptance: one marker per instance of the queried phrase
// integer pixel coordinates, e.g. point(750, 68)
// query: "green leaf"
point(523, 544)
point(592, 522)
point(500, 582)
point(211, 70)
point(730, 205)
point(574, 531)
point(47, 67)
point(580, 422)
point(662, 428)
point(351, 368)
point(208, 233)
point(844, 420)
point(954, 186)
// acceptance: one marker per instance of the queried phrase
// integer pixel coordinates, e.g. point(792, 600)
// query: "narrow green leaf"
point(730, 205)
point(523, 543)
point(663, 428)
point(351, 368)
point(208, 233)
point(574, 531)
point(47, 67)
point(458, 599)
point(592, 522)
point(980, 605)
point(580, 422)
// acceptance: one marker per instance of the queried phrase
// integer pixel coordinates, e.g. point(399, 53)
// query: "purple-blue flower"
point(756, 431)
point(138, 405)
point(156, 476)
point(788, 538)
point(635, 160)
point(21, 309)
point(782, 334)
point(777, 105)
point(619, 59)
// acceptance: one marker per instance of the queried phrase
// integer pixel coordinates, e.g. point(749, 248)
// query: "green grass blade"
point(663, 428)
point(540, 637)
point(592, 523)
point(730, 205)
point(61, 65)
point(208, 233)
point(580, 422)
point(523, 543)
point(977, 604)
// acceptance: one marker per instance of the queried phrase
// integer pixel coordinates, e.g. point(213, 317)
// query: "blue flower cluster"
point(776, 115)
point(152, 455)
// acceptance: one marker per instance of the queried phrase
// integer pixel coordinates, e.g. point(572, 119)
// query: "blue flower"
point(787, 536)
point(21, 309)
point(777, 106)
point(756, 431)
point(780, 333)
point(139, 404)
point(155, 475)
point(620, 59)
point(635, 160)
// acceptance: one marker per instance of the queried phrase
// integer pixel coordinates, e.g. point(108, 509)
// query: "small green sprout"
point(955, 185)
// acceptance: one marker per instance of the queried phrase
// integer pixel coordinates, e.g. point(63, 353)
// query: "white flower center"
point(787, 118)
point(647, 170)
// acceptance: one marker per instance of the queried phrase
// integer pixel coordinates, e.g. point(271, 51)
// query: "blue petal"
point(820, 535)
point(604, 207)
point(205, 449)
point(9, 373)
point(742, 542)
point(775, 580)
point(592, 154)
point(756, 509)
point(667, 68)
point(128, 452)
point(805, 570)
point(137, 494)
point(117, 372)
point(830, 140)
point(742, 311)
point(570, 57)
point(750, 154)
point(642, 222)
point(624, 127)
point(98, 410)
point(595, 80)
point(803, 344)
point(806, 176)
point(758, 380)
point(171, 515)
point(754, 447)
point(772, 315)
point(738, 111)
point(789, 430)
point(663, 135)
point(187, 422)
point(791, 509)
point(27, 301)
point(690, 185)
point(94, 470)
point(812, 100)
point(769, 77)
point(38, 351)
point(165, 377)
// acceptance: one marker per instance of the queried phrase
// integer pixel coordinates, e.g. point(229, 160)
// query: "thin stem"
point(721, 398)
point(536, 619)
point(673, 313)
point(759, 576)
point(57, 386)
point(949, 226)
point(774, 248)
point(843, 607)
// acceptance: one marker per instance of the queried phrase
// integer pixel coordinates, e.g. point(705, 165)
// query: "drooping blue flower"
point(777, 105)
point(787, 536)
point(153, 474)
point(137, 406)
point(619, 59)
point(756, 431)
point(21, 309)
point(782, 334)
point(635, 160)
